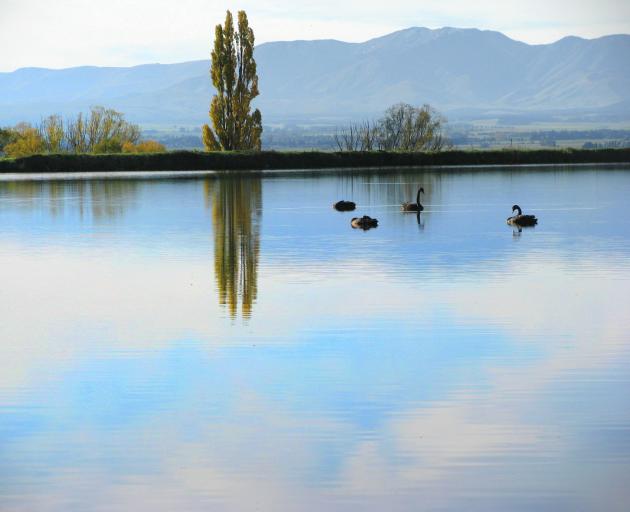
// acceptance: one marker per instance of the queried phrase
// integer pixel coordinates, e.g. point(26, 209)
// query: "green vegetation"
point(101, 131)
point(402, 128)
point(23, 140)
point(251, 160)
point(234, 77)
point(6, 137)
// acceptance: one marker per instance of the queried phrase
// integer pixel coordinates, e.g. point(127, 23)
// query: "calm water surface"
point(230, 343)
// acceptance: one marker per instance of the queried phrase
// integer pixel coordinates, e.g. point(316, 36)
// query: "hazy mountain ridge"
point(456, 70)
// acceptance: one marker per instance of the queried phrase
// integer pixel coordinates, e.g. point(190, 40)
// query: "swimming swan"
point(344, 206)
point(364, 222)
point(413, 207)
point(521, 220)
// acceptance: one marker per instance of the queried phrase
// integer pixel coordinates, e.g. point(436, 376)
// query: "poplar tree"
point(234, 77)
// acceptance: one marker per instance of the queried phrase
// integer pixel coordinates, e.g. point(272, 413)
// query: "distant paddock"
point(256, 161)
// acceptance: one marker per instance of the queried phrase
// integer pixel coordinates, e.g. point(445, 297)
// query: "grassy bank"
point(191, 160)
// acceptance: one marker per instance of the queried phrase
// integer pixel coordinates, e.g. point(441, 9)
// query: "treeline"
point(598, 134)
point(178, 141)
point(100, 131)
point(587, 139)
point(256, 161)
point(607, 144)
point(402, 128)
point(300, 138)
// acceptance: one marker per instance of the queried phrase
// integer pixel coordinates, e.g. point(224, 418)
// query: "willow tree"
point(234, 77)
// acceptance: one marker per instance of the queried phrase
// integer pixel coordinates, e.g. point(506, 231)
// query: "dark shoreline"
point(281, 160)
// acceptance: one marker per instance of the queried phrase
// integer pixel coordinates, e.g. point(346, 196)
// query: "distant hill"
point(466, 73)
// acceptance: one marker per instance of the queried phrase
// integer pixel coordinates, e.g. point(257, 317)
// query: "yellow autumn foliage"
point(28, 141)
point(145, 146)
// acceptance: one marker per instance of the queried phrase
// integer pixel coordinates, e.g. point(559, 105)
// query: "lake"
point(229, 342)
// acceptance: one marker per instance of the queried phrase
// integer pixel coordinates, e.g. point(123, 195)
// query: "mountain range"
point(465, 73)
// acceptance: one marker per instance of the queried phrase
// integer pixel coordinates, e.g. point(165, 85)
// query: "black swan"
point(413, 207)
point(521, 220)
point(344, 206)
point(364, 222)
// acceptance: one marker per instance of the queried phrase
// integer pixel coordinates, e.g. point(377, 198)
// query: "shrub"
point(100, 131)
point(145, 146)
point(108, 146)
point(7, 136)
point(26, 141)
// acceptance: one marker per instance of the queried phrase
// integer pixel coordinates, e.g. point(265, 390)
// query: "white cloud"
point(470, 444)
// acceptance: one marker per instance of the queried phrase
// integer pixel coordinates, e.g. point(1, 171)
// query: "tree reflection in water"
point(236, 212)
point(100, 200)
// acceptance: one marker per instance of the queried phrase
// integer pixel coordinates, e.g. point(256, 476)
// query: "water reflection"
point(420, 221)
point(103, 200)
point(236, 214)
point(450, 371)
point(397, 188)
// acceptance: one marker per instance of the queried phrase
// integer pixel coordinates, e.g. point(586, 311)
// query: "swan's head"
point(517, 208)
point(421, 190)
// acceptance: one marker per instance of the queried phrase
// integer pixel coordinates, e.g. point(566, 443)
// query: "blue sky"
point(126, 32)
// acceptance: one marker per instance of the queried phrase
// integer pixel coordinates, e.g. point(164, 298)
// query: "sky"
point(65, 33)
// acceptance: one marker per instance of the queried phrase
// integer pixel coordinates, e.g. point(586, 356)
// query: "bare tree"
point(76, 136)
point(348, 139)
point(369, 135)
point(52, 133)
point(392, 126)
point(402, 128)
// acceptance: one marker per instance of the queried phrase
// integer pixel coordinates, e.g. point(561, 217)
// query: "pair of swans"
point(364, 222)
point(348, 206)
